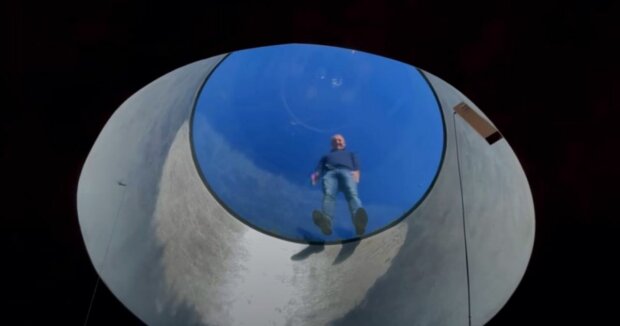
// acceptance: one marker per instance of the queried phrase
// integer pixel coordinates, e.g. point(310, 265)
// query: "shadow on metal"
point(309, 250)
point(346, 252)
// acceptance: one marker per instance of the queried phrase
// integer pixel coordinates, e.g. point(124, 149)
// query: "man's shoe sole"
point(322, 222)
point(360, 220)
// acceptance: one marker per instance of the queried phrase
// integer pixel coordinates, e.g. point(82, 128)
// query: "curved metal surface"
point(498, 210)
point(172, 255)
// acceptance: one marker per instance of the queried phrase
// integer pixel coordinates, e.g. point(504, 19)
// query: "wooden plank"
point(480, 124)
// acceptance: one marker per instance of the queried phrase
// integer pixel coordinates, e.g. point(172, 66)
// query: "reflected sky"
point(265, 117)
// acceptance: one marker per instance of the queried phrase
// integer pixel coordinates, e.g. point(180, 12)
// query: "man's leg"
point(323, 219)
point(358, 213)
point(330, 189)
point(349, 187)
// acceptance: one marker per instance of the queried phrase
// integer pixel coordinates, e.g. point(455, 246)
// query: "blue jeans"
point(339, 179)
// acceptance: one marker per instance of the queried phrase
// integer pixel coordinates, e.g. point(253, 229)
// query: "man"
point(339, 170)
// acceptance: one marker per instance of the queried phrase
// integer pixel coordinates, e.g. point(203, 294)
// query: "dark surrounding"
point(546, 75)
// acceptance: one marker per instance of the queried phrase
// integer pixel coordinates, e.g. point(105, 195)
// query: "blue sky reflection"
point(265, 117)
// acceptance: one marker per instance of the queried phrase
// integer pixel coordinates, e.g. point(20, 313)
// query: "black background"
point(545, 74)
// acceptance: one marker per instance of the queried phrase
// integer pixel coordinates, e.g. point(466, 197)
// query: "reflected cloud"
point(236, 179)
point(336, 82)
point(321, 73)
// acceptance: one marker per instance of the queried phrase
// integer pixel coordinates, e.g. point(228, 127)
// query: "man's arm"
point(314, 177)
point(356, 176)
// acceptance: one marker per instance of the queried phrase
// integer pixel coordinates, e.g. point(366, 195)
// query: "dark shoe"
point(322, 221)
point(360, 219)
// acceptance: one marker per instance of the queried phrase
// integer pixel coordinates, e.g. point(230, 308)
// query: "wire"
point(458, 164)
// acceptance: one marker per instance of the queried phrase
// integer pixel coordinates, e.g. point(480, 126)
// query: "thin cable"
point(458, 164)
point(92, 299)
point(105, 256)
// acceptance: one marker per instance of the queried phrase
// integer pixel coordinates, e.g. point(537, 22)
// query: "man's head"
point(338, 142)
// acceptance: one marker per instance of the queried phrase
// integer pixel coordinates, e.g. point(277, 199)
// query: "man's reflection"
point(339, 170)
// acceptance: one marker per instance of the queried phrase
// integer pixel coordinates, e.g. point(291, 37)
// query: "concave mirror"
point(367, 129)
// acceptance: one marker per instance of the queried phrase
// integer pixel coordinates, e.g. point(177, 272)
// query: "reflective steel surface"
point(166, 248)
